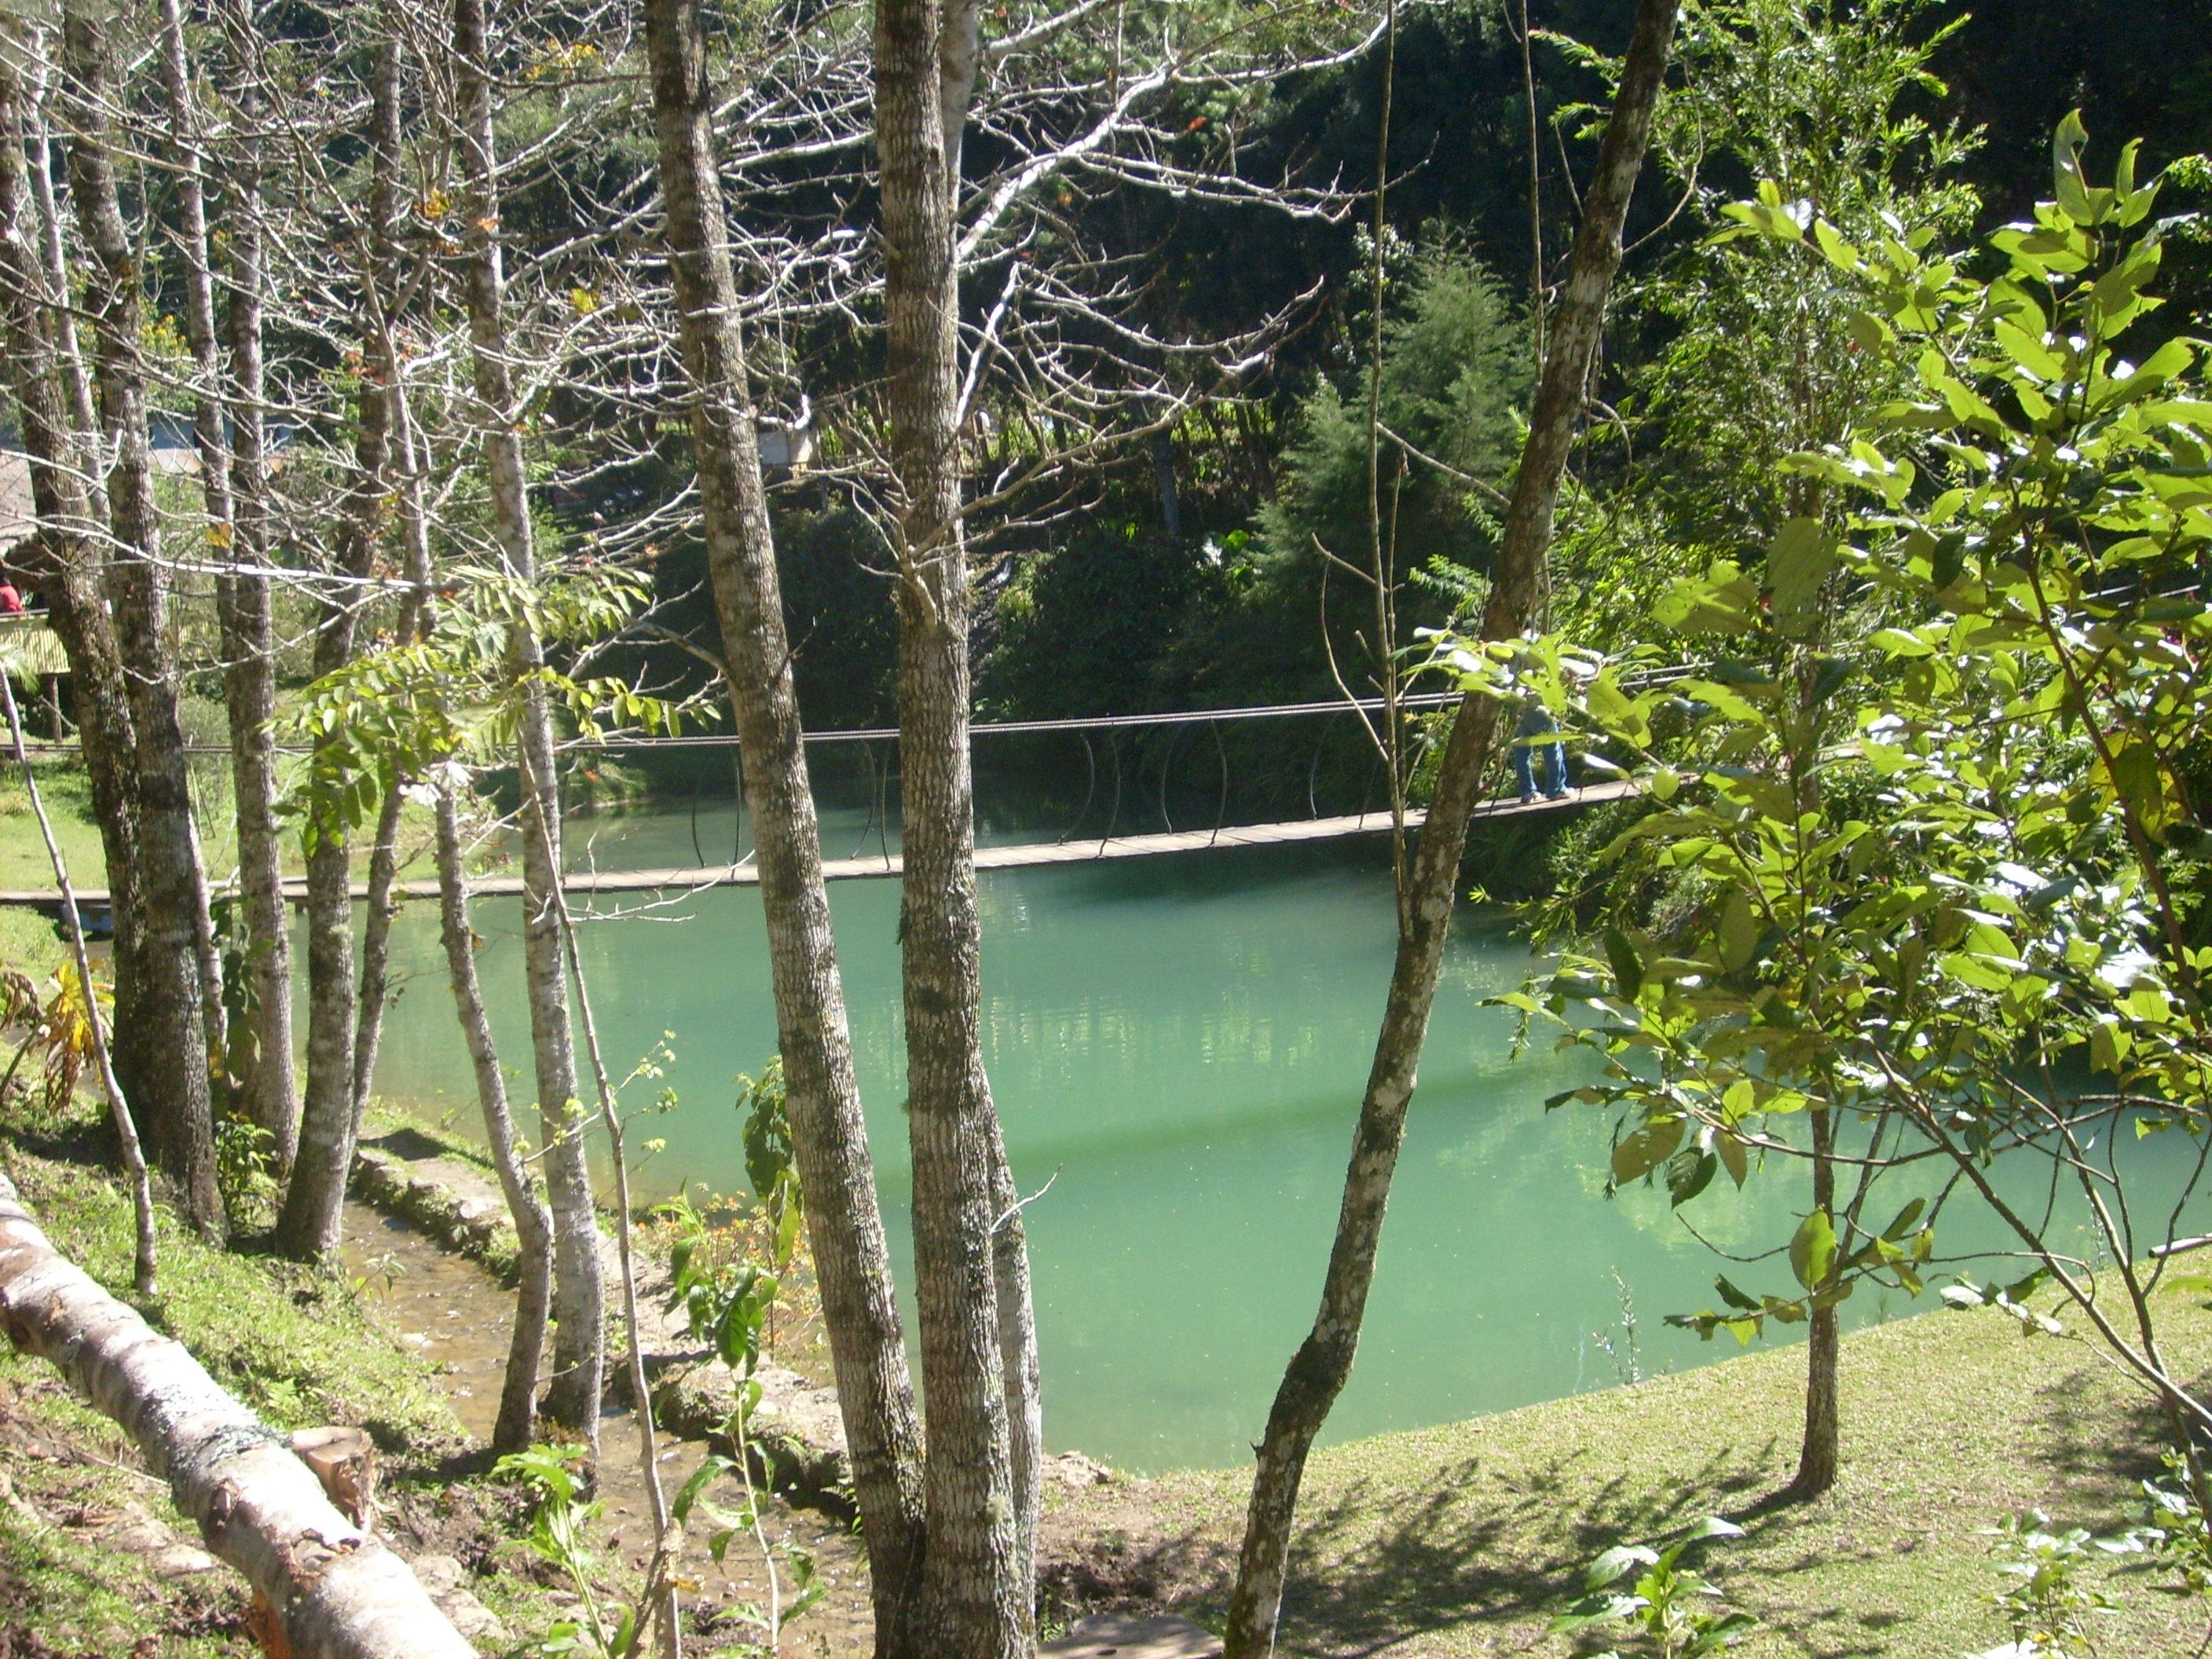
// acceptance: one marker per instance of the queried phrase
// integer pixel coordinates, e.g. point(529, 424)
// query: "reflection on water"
point(1178, 1045)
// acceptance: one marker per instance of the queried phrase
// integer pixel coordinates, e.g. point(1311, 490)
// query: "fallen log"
point(336, 1592)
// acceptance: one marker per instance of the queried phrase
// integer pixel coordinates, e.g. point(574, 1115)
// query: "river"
point(1177, 1045)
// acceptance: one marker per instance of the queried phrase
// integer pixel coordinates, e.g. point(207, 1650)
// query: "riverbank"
point(94, 1557)
point(1467, 1538)
point(405, 1342)
point(1460, 1539)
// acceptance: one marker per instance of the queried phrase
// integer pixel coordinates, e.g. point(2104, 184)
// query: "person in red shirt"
point(11, 602)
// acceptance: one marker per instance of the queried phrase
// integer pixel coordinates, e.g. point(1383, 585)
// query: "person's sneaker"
point(1528, 796)
point(1556, 795)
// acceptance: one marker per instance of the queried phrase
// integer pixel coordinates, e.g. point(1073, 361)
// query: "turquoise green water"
point(1178, 1043)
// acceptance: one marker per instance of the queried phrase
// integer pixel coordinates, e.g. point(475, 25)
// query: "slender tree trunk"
point(172, 896)
point(972, 1290)
point(1822, 1447)
point(376, 945)
point(534, 1227)
point(188, 182)
point(844, 1222)
point(660, 1577)
point(249, 641)
point(580, 1292)
point(64, 556)
point(76, 601)
point(62, 318)
point(517, 1424)
point(314, 1204)
point(1316, 1373)
point(65, 525)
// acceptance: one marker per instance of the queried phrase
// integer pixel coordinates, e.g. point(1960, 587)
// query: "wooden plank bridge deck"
point(1025, 855)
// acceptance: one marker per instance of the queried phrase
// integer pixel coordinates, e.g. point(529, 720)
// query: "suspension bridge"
point(1095, 834)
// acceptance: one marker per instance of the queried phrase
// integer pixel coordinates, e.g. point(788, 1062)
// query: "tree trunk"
point(337, 1591)
point(64, 556)
point(844, 1223)
point(376, 943)
point(517, 1424)
point(314, 1204)
point(1821, 1447)
point(61, 435)
point(172, 895)
point(249, 636)
point(970, 1269)
point(533, 1228)
point(1316, 1373)
point(76, 381)
point(187, 181)
point(580, 1292)
point(66, 528)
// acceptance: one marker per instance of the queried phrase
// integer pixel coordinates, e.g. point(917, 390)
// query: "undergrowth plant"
point(560, 1525)
point(1669, 1609)
point(2043, 1600)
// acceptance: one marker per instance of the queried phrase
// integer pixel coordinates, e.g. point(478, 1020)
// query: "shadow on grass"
point(1370, 1570)
point(1499, 1549)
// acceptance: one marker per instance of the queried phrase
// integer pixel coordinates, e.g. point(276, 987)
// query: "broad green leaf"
point(1813, 1251)
point(1799, 560)
point(1627, 965)
point(1638, 1153)
point(2067, 181)
point(1739, 934)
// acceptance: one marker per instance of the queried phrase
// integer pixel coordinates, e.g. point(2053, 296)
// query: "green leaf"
point(2109, 1043)
point(1735, 1297)
point(1638, 1154)
point(2069, 184)
point(1813, 1251)
point(1739, 933)
point(1627, 966)
point(2031, 354)
point(1616, 1562)
point(1799, 561)
point(1689, 1172)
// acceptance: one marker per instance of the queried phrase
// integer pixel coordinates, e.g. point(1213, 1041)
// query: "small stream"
point(460, 1319)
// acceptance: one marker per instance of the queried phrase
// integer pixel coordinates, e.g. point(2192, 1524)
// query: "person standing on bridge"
point(1536, 723)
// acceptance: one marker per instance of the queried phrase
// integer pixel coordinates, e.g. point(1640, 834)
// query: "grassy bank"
point(93, 1560)
point(1467, 1538)
point(1460, 1540)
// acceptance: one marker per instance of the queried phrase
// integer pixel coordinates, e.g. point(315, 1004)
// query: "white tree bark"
point(579, 1284)
point(337, 1591)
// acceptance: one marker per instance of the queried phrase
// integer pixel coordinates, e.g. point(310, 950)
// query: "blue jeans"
point(1554, 754)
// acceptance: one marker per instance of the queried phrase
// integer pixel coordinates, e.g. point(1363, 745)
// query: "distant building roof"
point(18, 514)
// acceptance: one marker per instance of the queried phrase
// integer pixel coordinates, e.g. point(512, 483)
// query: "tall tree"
point(167, 1076)
point(844, 1222)
point(1764, 362)
point(246, 612)
point(309, 1227)
point(64, 556)
point(580, 1292)
point(1427, 886)
point(971, 1271)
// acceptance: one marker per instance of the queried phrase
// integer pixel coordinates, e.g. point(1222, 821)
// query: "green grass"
point(1467, 1538)
point(68, 1483)
point(299, 1346)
